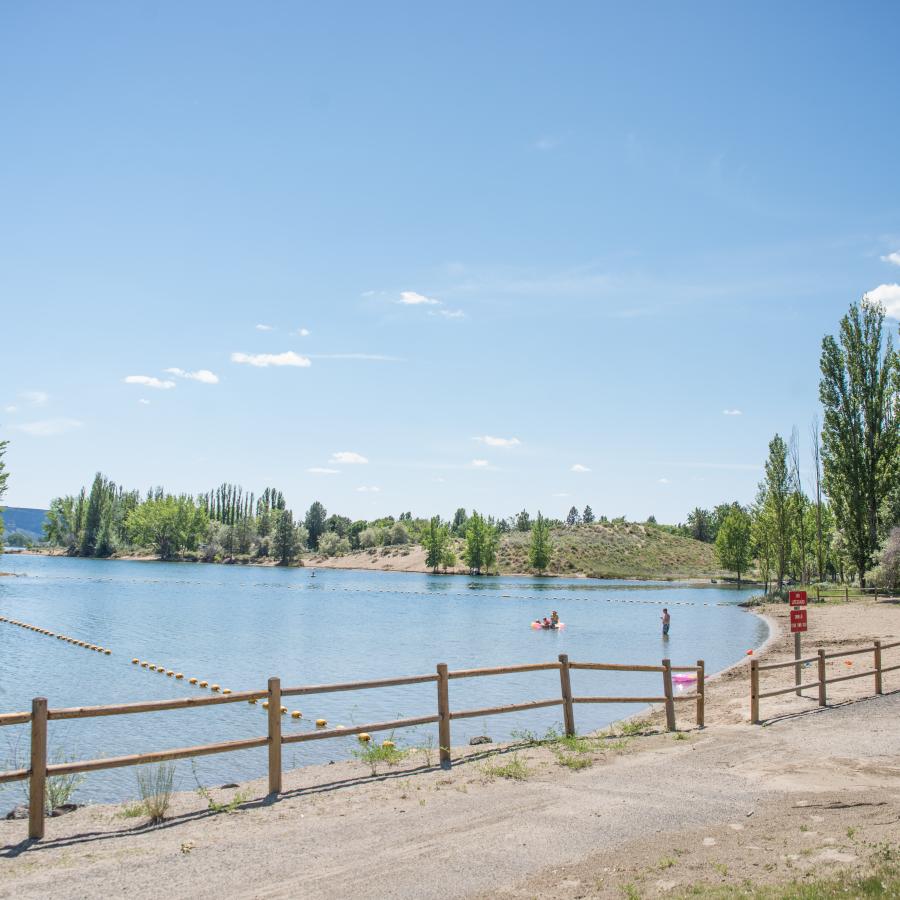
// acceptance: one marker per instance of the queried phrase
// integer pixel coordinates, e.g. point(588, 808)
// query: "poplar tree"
point(860, 441)
point(4, 477)
point(315, 524)
point(733, 542)
point(541, 547)
point(435, 540)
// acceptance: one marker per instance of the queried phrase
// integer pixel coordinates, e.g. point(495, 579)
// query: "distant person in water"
point(554, 619)
point(546, 623)
point(666, 620)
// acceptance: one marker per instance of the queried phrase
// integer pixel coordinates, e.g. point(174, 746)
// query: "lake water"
point(238, 626)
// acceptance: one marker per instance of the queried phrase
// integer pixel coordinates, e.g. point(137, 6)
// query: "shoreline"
point(314, 562)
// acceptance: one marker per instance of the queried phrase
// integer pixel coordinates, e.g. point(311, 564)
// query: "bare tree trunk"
point(817, 467)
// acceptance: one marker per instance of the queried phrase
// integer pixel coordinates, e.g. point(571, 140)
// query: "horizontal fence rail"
point(876, 648)
point(39, 771)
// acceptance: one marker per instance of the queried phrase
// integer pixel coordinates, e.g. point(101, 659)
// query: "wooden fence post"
point(669, 694)
point(754, 692)
point(565, 683)
point(274, 735)
point(818, 595)
point(701, 692)
point(443, 698)
point(878, 686)
point(846, 594)
point(821, 666)
point(38, 775)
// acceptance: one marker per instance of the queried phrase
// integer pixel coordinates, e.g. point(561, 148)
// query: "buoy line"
point(60, 637)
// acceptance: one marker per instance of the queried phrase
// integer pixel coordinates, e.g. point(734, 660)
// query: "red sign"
point(798, 598)
point(798, 620)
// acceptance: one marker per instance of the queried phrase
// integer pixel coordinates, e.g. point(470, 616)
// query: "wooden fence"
point(39, 771)
point(821, 658)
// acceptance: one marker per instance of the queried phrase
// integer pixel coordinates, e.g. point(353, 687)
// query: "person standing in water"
point(554, 619)
point(666, 620)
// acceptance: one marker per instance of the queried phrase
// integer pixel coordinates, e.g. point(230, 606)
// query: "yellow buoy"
point(214, 687)
point(204, 684)
point(192, 680)
point(135, 662)
point(179, 675)
point(144, 665)
point(226, 690)
point(151, 667)
point(170, 673)
point(321, 723)
point(388, 745)
point(365, 738)
point(107, 652)
point(284, 710)
point(265, 704)
point(296, 714)
point(252, 700)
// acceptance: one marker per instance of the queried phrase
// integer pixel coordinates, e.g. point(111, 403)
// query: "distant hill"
point(25, 520)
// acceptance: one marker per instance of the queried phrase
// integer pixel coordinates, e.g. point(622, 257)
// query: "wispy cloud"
point(362, 489)
point(889, 295)
point(348, 458)
point(202, 375)
point(48, 427)
point(264, 360)
point(10, 409)
point(578, 467)
point(303, 332)
point(492, 441)
point(263, 327)
point(144, 402)
point(448, 313)
point(36, 398)
point(321, 470)
point(149, 381)
point(663, 480)
point(731, 412)
point(893, 258)
point(479, 464)
point(412, 298)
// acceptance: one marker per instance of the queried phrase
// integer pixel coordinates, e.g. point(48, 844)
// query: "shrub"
point(155, 787)
point(887, 573)
point(332, 544)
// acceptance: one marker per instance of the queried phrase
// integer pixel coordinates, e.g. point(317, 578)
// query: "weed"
point(133, 810)
point(575, 763)
point(515, 770)
point(850, 832)
point(721, 868)
point(59, 788)
point(804, 827)
point(631, 892)
point(635, 727)
point(155, 787)
point(230, 806)
point(666, 863)
point(375, 755)
point(679, 736)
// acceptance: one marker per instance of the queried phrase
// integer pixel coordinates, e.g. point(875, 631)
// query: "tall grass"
point(155, 787)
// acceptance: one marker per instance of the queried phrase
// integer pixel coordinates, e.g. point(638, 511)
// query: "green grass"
point(375, 755)
point(514, 770)
point(613, 550)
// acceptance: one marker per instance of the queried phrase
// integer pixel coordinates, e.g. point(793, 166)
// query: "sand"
point(812, 791)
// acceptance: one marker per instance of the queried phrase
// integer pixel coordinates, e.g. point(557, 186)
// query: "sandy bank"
point(809, 792)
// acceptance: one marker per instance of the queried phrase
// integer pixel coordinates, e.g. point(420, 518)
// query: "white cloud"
point(303, 332)
point(263, 327)
point(889, 295)
point(578, 467)
point(449, 313)
point(263, 360)
point(411, 298)
point(348, 458)
point(10, 409)
point(36, 398)
point(731, 412)
point(439, 480)
point(144, 402)
point(497, 441)
point(663, 480)
point(203, 375)
point(479, 464)
point(362, 489)
point(149, 381)
point(892, 258)
point(375, 357)
point(320, 470)
point(48, 427)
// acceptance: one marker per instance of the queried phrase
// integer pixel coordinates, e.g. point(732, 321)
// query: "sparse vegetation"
point(515, 769)
point(155, 787)
point(375, 755)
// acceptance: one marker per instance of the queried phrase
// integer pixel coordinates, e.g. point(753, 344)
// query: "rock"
point(481, 739)
point(228, 787)
point(19, 812)
point(64, 808)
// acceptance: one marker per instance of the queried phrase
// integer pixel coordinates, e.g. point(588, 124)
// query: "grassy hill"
point(614, 550)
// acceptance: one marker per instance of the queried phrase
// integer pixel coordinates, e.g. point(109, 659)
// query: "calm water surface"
point(237, 626)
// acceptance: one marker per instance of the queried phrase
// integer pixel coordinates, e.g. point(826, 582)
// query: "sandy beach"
point(811, 791)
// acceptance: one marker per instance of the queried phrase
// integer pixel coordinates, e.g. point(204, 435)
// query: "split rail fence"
point(39, 771)
point(876, 648)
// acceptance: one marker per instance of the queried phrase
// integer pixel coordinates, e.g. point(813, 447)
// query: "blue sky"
point(506, 254)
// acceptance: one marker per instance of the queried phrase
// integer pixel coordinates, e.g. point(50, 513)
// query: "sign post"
point(798, 626)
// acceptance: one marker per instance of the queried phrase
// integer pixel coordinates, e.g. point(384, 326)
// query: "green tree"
point(435, 541)
point(286, 541)
point(523, 521)
point(778, 489)
point(733, 542)
point(573, 518)
point(541, 548)
point(168, 524)
point(460, 521)
point(315, 524)
point(480, 551)
point(588, 516)
point(700, 525)
point(448, 558)
point(860, 440)
point(332, 544)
